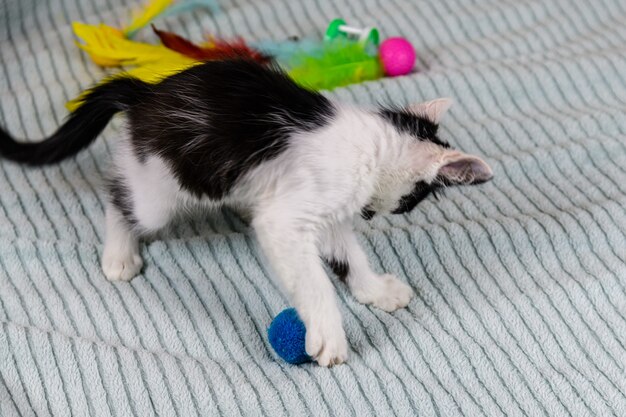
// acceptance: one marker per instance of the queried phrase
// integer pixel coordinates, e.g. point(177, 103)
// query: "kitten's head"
point(423, 163)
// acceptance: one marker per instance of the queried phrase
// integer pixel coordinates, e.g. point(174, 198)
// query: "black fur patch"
point(215, 121)
point(340, 268)
point(419, 193)
point(121, 198)
point(367, 213)
point(417, 126)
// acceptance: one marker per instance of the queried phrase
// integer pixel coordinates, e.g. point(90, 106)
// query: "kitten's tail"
point(83, 125)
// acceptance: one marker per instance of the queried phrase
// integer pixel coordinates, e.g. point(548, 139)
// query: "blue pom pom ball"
point(287, 336)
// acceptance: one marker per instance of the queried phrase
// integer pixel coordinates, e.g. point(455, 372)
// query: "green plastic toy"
point(367, 37)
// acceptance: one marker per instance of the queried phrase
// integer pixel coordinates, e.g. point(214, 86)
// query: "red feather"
point(218, 49)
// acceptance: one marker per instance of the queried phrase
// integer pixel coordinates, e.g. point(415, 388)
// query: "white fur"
point(302, 205)
point(120, 259)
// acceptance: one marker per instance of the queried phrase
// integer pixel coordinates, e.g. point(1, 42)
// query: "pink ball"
point(397, 56)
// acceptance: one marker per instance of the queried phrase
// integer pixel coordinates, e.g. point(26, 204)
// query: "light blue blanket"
point(521, 283)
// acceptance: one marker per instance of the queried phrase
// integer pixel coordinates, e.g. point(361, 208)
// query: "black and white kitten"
point(239, 134)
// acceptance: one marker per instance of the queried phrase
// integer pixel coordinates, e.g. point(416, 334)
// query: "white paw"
point(383, 291)
point(121, 267)
point(326, 342)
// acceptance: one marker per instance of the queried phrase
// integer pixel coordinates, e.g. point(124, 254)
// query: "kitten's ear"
point(433, 110)
point(463, 169)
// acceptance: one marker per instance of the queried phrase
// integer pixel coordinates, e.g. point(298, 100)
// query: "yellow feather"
point(107, 47)
point(98, 39)
point(149, 12)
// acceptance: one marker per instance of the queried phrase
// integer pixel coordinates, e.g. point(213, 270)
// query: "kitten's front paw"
point(383, 291)
point(326, 342)
point(121, 268)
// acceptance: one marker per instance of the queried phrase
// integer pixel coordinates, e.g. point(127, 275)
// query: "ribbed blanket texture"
point(520, 283)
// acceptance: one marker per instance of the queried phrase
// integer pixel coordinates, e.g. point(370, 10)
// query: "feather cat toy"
point(336, 62)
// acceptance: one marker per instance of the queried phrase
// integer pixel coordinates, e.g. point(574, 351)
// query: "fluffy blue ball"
point(287, 336)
